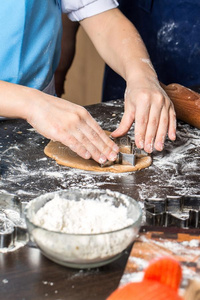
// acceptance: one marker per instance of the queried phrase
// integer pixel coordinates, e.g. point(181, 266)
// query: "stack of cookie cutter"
point(12, 230)
point(177, 211)
point(129, 156)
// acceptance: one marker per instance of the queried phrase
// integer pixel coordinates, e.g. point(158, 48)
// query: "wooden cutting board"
point(183, 245)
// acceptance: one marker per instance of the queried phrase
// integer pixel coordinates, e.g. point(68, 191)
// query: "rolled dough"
point(65, 156)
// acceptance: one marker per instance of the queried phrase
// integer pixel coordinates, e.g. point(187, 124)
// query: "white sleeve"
point(78, 10)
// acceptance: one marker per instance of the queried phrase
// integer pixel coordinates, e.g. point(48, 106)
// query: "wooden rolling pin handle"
point(186, 103)
point(193, 291)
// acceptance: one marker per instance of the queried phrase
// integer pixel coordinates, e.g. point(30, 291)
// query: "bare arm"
point(146, 103)
point(57, 119)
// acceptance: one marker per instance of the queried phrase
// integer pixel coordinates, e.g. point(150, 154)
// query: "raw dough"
point(65, 156)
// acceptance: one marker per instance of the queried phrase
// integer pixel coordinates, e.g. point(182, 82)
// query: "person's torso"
point(30, 35)
point(171, 32)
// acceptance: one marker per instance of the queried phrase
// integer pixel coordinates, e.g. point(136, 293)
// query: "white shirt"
point(78, 10)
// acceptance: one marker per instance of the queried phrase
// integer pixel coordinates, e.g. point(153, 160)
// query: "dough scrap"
point(66, 157)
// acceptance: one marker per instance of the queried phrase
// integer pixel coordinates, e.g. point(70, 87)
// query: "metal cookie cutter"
point(128, 152)
point(12, 228)
point(177, 211)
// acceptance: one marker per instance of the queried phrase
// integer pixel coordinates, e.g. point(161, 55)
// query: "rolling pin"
point(186, 103)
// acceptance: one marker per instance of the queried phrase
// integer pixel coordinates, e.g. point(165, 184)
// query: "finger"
point(172, 124)
point(95, 131)
point(88, 133)
point(125, 124)
point(71, 142)
point(99, 150)
point(152, 127)
point(98, 137)
point(79, 144)
point(141, 120)
point(162, 130)
point(167, 122)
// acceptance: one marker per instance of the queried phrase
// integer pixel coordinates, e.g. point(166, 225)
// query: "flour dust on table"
point(28, 173)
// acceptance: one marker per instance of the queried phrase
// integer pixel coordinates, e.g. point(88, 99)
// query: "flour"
point(167, 35)
point(148, 62)
point(85, 231)
point(82, 217)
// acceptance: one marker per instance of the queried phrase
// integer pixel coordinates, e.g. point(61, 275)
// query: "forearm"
point(57, 119)
point(15, 100)
point(145, 102)
point(119, 44)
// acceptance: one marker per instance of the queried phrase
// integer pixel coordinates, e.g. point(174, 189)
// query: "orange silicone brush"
point(165, 270)
point(161, 281)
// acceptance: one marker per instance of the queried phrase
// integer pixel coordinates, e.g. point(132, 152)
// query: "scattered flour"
point(148, 62)
point(28, 174)
point(5, 281)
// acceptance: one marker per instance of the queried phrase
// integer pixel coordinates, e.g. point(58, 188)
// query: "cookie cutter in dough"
point(129, 154)
point(177, 211)
point(12, 225)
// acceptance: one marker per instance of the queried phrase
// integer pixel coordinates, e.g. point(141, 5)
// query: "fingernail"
point(115, 148)
point(113, 156)
point(149, 148)
point(173, 136)
point(87, 155)
point(141, 144)
point(102, 159)
point(160, 146)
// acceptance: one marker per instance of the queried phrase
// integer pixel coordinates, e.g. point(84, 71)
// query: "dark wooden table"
point(26, 274)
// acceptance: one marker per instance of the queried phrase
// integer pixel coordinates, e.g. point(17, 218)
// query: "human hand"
point(71, 124)
point(122, 48)
point(148, 105)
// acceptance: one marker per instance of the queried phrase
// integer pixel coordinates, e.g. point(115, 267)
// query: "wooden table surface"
point(26, 274)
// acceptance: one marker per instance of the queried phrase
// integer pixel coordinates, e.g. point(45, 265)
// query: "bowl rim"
point(137, 222)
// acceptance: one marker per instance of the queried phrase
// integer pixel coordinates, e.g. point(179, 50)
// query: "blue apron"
point(171, 32)
point(30, 36)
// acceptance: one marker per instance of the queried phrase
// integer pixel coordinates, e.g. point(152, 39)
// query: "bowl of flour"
point(83, 228)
